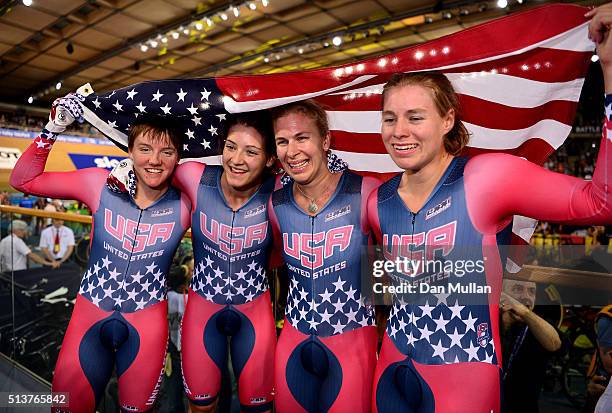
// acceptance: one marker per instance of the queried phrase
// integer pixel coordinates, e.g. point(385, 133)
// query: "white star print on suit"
point(109, 289)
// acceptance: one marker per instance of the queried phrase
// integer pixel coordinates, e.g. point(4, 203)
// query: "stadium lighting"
point(144, 48)
point(337, 41)
point(502, 4)
point(30, 100)
point(27, 3)
point(58, 86)
point(252, 6)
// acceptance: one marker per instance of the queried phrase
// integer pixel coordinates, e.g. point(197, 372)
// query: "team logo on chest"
point(338, 213)
point(136, 236)
point(312, 248)
point(422, 245)
point(438, 209)
point(162, 212)
point(255, 211)
point(232, 240)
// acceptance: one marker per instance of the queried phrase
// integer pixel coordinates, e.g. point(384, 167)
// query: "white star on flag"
point(192, 109)
point(205, 94)
point(181, 95)
point(165, 109)
point(157, 95)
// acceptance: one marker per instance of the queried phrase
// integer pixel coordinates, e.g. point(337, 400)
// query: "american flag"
point(519, 80)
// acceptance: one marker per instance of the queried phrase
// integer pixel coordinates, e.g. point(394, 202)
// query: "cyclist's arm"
point(28, 176)
point(186, 178)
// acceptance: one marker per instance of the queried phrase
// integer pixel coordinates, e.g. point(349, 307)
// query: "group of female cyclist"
point(435, 356)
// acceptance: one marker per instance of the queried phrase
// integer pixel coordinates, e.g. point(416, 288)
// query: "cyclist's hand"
point(596, 386)
point(599, 31)
point(64, 112)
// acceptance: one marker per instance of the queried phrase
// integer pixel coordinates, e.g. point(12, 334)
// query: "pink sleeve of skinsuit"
point(499, 185)
point(28, 176)
point(368, 186)
point(187, 179)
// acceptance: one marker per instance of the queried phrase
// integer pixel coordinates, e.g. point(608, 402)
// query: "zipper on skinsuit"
point(409, 307)
point(312, 281)
point(229, 261)
point(127, 267)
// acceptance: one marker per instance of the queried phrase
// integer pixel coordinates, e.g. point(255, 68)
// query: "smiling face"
point(244, 158)
point(154, 161)
point(412, 129)
point(300, 147)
